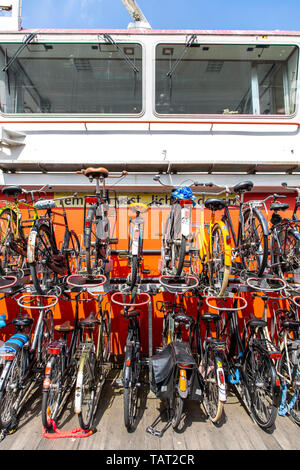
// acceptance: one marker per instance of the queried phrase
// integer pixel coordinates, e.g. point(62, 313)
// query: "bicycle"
point(285, 240)
point(25, 356)
point(78, 362)
point(249, 365)
point(13, 236)
point(176, 376)
point(48, 263)
point(97, 230)
point(135, 243)
point(177, 237)
point(249, 243)
point(132, 361)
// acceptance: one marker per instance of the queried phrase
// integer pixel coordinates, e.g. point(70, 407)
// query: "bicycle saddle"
point(256, 323)
point(91, 320)
point(96, 172)
point(291, 324)
point(64, 327)
point(183, 318)
point(11, 190)
point(208, 316)
point(215, 204)
point(22, 321)
point(279, 206)
point(243, 186)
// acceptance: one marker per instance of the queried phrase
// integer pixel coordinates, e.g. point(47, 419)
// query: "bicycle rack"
point(266, 284)
point(178, 285)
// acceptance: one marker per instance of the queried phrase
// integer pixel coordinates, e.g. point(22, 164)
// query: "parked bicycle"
point(175, 373)
point(80, 361)
point(25, 355)
point(98, 235)
point(50, 264)
point(177, 234)
point(14, 228)
point(131, 373)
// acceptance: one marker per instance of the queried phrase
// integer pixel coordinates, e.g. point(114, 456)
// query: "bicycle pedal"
point(146, 271)
point(123, 255)
point(113, 241)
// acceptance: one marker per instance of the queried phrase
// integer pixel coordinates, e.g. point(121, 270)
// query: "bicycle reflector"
point(182, 380)
point(54, 349)
point(7, 357)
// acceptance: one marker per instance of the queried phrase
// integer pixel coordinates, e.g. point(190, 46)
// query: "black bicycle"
point(98, 235)
point(25, 355)
point(249, 365)
point(132, 360)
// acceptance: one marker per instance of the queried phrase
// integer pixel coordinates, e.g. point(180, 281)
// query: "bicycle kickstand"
point(156, 432)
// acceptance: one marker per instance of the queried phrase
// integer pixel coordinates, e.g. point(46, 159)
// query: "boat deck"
point(236, 432)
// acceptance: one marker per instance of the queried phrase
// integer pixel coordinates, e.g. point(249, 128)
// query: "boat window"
point(216, 79)
point(71, 78)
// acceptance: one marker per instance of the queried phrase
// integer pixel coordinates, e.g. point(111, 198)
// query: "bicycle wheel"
point(254, 242)
point(13, 250)
point(52, 395)
point(218, 271)
point(11, 390)
point(43, 277)
point(212, 404)
point(260, 376)
point(105, 332)
point(165, 248)
point(85, 386)
point(73, 254)
point(130, 397)
point(291, 363)
point(134, 270)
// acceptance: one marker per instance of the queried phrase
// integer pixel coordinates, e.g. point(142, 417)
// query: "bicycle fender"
point(127, 365)
point(78, 387)
point(31, 246)
point(221, 380)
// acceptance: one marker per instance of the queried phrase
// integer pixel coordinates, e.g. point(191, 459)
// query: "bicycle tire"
point(179, 258)
point(12, 260)
point(52, 395)
point(211, 402)
point(105, 336)
point(42, 276)
point(130, 400)
point(254, 243)
point(85, 385)
point(293, 395)
point(218, 270)
point(11, 390)
point(134, 270)
point(260, 375)
point(165, 248)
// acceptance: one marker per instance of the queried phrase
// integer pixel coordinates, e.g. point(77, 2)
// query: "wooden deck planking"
point(236, 432)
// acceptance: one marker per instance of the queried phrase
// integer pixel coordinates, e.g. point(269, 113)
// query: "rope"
point(57, 434)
